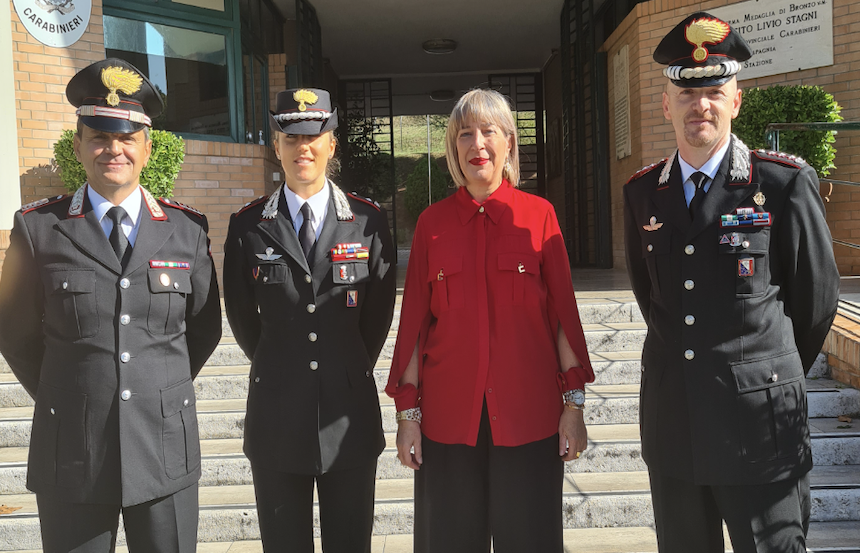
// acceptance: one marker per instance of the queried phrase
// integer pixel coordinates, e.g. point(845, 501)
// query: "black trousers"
point(465, 496)
point(164, 525)
point(285, 507)
point(766, 518)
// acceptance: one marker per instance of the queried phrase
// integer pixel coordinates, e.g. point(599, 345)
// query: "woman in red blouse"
point(490, 366)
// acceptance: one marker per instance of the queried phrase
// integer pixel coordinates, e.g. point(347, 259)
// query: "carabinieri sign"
point(55, 23)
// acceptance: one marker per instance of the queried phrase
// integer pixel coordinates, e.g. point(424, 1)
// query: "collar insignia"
point(652, 224)
point(270, 210)
point(268, 256)
point(705, 31)
point(341, 204)
point(740, 170)
point(154, 209)
point(664, 174)
point(303, 97)
point(116, 78)
point(77, 205)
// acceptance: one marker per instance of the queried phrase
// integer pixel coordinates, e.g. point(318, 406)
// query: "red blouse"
point(486, 287)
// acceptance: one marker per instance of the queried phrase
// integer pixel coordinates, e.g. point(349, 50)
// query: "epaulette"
point(368, 201)
point(781, 157)
point(39, 203)
point(251, 204)
point(179, 205)
point(646, 169)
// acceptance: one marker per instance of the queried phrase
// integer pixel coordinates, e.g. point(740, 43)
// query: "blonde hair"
point(482, 106)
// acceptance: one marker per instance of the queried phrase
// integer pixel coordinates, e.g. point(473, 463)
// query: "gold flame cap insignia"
point(304, 97)
point(705, 31)
point(116, 78)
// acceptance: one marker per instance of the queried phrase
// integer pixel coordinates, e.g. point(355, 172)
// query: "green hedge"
point(159, 175)
point(790, 104)
point(416, 187)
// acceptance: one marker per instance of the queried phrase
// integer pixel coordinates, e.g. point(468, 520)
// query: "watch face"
point(578, 397)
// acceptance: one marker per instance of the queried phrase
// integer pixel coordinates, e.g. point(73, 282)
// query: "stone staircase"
point(607, 505)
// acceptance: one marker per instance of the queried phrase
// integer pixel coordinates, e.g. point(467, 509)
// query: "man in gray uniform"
point(108, 309)
point(732, 265)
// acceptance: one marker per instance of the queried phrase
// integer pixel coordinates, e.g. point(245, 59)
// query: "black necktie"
point(699, 179)
point(118, 239)
point(307, 237)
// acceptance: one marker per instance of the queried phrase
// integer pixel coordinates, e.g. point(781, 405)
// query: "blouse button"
point(494, 417)
point(481, 209)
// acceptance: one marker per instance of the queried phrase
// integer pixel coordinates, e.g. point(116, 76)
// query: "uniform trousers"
point(467, 496)
point(285, 507)
point(764, 518)
point(166, 525)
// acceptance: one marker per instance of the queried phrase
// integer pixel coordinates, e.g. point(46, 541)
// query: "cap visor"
point(111, 124)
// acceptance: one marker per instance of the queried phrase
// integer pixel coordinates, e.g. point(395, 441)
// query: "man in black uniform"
point(108, 308)
point(732, 265)
point(309, 286)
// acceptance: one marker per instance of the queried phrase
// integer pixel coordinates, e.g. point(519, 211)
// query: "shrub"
point(158, 177)
point(416, 187)
point(366, 168)
point(790, 104)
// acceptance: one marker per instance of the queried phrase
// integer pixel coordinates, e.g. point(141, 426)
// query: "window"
point(188, 67)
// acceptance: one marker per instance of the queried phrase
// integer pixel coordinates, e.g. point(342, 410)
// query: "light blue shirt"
point(319, 208)
point(130, 223)
point(710, 168)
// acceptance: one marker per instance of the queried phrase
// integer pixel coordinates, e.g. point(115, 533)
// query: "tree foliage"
point(366, 168)
point(158, 177)
point(416, 187)
point(790, 104)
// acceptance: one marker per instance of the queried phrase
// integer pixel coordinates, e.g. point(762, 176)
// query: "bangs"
point(482, 107)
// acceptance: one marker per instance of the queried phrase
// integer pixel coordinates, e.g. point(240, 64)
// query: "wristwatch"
point(575, 399)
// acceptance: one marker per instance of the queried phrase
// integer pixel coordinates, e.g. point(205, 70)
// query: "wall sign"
point(785, 35)
point(55, 23)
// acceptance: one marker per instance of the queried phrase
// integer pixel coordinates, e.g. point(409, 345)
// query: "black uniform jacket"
point(107, 353)
point(313, 335)
point(736, 315)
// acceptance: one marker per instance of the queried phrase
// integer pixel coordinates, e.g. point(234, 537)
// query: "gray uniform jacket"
point(736, 315)
point(109, 354)
point(313, 335)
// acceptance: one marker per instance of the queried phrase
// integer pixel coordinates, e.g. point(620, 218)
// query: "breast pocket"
point(521, 275)
point(656, 246)
point(70, 304)
point(745, 256)
point(168, 291)
point(350, 272)
point(446, 281)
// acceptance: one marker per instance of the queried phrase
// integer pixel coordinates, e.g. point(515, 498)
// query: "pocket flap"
point(350, 272)
point(169, 280)
point(519, 262)
point(444, 267)
point(759, 374)
point(177, 397)
point(72, 280)
point(755, 241)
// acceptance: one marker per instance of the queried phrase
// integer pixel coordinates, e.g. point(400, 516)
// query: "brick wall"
point(842, 347)
point(653, 137)
point(4, 245)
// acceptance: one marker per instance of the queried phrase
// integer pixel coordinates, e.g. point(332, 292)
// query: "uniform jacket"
point(109, 354)
point(736, 315)
point(313, 335)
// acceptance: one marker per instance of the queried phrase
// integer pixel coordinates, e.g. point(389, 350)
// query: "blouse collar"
point(494, 206)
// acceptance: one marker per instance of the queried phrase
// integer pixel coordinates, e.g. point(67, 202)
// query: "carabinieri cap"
point(303, 111)
point(112, 95)
point(702, 50)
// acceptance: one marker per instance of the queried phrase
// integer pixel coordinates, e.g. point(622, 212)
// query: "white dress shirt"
point(131, 205)
point(319, 208)
point(710, 169)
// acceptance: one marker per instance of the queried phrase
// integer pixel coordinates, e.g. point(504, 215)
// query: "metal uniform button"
point(650, 247)
point(367, 374)
point(185, 403)
point(257, 379)
point(774, 378)
point(746, 244)
point(65, 285)
point(689, 249)
point(52, 411)
point(124, 283)
point(308, 279)
point(125, 357)
point(124, 319)
point(689, 284)
point(312, 336)
point(265, 279)
point(311, 308)
point(689, 354)
point(176, 286)
point(689, 320)
point(125, 395)
point(314, 365)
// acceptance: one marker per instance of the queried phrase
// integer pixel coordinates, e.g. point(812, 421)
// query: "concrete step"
point(227, 513)
point(823, 537)
point(612, 448)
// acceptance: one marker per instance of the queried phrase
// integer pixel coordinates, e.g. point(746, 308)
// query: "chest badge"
point(269, 255)
point(652, 224)
point(746, 267)
point(758, 198)
point(352, 298)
